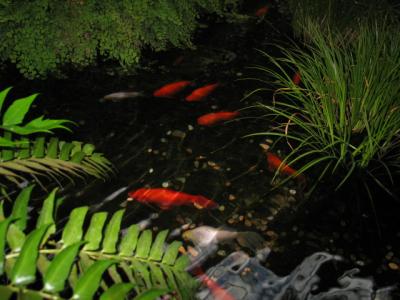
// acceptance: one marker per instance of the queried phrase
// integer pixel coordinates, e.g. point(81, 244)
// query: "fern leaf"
point(112, 231)
point(129, 241)
point(156, 252)
point(88, 284)
point(59, 269)
point(20, 208)
point(94, 233)
point(24, 271)
point(73, 231)
point(118, 291)
point(144, 244)
point(3, 231)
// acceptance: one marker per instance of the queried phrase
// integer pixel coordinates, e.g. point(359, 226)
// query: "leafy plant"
point(335, 15)
point(73, 260)
point(344, 118)
point(42, 157)
point(42, 37)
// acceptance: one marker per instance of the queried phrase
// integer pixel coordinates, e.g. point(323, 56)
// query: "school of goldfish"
point(166, 198)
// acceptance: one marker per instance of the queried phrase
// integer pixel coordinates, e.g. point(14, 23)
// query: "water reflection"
point(243, 277)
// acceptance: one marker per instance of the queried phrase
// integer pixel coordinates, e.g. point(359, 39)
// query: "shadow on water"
point(156, 143)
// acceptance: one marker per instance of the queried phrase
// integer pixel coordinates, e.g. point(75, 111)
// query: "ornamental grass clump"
point(344, 117)
point(342, 15)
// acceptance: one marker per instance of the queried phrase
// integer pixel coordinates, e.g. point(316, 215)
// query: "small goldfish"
point(262, 11)
point(206, 236)
point(275, 163)
point(166, 198)
point(202, 92)
point(217, 117)
point(117, 96)
point(218, 292)
point(171, 89)
point(296, 78)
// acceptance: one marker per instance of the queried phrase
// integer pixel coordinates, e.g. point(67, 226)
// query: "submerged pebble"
point(178, 134)
point(393, 266)
point(165, 184)
point(221, 252)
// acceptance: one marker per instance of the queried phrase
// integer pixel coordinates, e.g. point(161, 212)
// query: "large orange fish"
point(171, 89)
point(216, 117)
point(167, 198)
point(202, 92)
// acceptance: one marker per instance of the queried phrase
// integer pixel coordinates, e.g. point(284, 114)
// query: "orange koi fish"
point(274, 162)
point(202, 92)
point(171, 89)
point(217, 117)
point(166, 198)
point(296, 78)
point(262, 11)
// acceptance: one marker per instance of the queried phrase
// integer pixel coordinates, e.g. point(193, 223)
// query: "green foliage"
point(337, 15)
point(41, 36)
point(14, 116)
point(76, 262)
point(50, 158)
point(344, 119)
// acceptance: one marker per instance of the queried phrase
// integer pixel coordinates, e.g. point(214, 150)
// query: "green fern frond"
point(74, 262)
point(52, 159)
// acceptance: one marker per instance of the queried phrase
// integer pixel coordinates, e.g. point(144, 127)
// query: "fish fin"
point(250, 239)
point(198, 206)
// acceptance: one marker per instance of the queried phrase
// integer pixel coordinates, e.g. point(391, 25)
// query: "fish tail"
point(250, 239)
point(202, 202)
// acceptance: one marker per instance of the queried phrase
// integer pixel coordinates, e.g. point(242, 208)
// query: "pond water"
point(156, 142)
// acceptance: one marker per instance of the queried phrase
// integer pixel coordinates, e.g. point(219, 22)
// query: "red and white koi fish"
point(202, 92)
point(171, 89)
point(167, 198)
point(216, 117)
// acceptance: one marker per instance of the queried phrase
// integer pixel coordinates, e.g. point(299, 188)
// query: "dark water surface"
point(156, 142)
